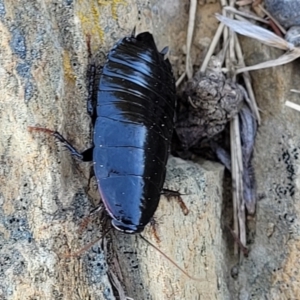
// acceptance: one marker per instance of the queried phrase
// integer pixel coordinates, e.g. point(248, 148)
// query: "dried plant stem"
point(180, 79)
point(234, 176)
point(191, 25)
point(225, 31)
point(244, 2)
point(223, 3)
point(240, 18)
point(265, 36)
point(247, 81)
point(256, 32)
point(281, 60)
point(272, 18)
point(234, 167)
point(295, 91)
point(117, 284)
point(190, 32)
point(245, 14)
point(237, 182)
point(292, 105)
point(212, 47)
point(239, 215)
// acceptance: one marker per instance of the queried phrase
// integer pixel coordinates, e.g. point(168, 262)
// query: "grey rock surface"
point(293, 35)
point(286, 12)
point(272, 269)
point(44, 196)
point(194, 242)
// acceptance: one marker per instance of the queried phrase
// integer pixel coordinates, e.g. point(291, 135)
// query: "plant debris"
point(209, 101)
point(212, 97)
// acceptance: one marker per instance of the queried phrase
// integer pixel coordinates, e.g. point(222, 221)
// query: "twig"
point(180, 79)
point(234, 168)
point(188, 64)
point(223, 3)
point(265, 36)
point(237, 240)
point(240, 18)
point(295, 91)
point(282, 60)
point(245, 14)
point(235, 187)
point(244, 2)
point(190, 32)
point(237, 181)
point(247, 81)
point(212, 47)
point(256, 32)
point(236, 159)
point(117, 284)
point(272, 18)
point(292, 105)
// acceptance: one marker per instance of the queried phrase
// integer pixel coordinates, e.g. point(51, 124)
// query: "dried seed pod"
point(209, 102)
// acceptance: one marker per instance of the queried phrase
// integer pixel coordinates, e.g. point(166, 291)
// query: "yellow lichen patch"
point(286, 279)
point(114, 6)
point(89, 16)
point(68, 70)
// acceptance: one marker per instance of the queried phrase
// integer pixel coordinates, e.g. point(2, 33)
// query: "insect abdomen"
point(133, 129)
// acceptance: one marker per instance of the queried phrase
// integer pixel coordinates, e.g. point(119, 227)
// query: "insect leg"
point(91, 75)
point(133, 32)
point(86, 155)
point(153, 224)
point(165, 50)
point(91, 79)
point(177, 195)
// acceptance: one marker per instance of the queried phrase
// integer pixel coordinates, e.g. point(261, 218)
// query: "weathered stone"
point(194, 241)
point(286, 12)
point(293, 35)
point(43, 196)
point(272, 269)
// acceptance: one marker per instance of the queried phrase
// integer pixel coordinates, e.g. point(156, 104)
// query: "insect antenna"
point(133, 33)
point(172, 261)
point(88, 246)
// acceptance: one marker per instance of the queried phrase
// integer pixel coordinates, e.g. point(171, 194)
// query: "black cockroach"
point(133, 130)
point(133, 127)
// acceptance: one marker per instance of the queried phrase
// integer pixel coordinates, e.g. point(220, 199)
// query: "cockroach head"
point(127, 228)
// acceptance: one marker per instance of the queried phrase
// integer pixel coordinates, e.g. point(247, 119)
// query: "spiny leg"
point(86, 155)
point(169, 193)
point(91, 75)
point(153, 224)
point(86, 220)
point(133, 33)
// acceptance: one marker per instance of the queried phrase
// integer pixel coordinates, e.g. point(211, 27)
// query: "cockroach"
point(133, 130)
point(133, 127)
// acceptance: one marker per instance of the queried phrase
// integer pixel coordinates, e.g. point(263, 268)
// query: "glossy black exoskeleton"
point(134, 120)
point(133, 130)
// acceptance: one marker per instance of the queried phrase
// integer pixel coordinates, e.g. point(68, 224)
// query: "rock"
point(194, 241)
point(43, 196)
point(293, 35)
point(286, 12)
point(271, 270)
